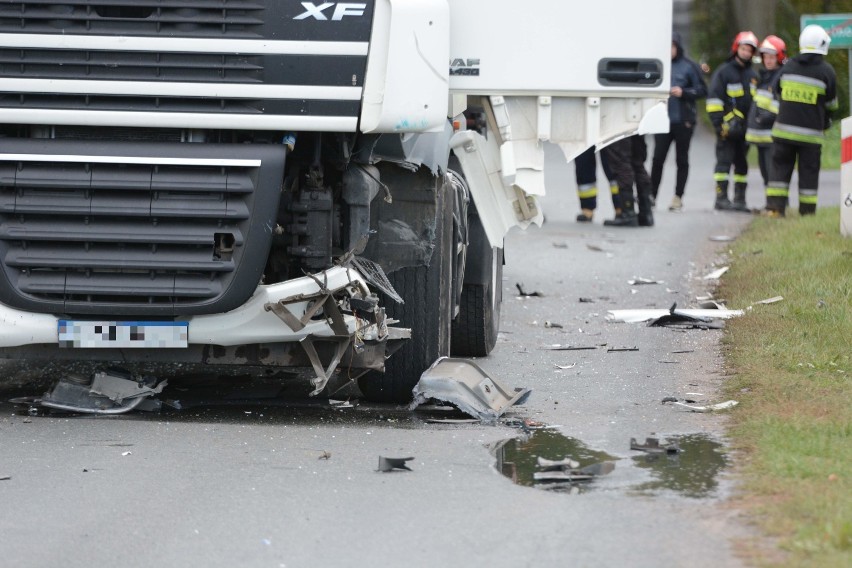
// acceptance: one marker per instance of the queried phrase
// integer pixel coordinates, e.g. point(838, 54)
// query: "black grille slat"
point(100, 230)
point(149, 237)
point(213, 18)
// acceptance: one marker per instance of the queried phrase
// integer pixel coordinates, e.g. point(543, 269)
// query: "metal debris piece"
point(6, 478)
point(568, 348)
point(771, 300)
point(621, 349)
point(594, 248)
point(716, 274)
point(452, 421)
point(565, 367)
point(728, 404)
point(340, 403)
point(553, 324)
point(681, 351)
point(653, 446)
point(324, 456)
point(526, 294)
point(678, 319)
point(390, 464)
point(464, 384)
point(669, 399)
point(638, 281)
point(572, 473)
point(564, 462)
point(586, 301)
point(114, 391)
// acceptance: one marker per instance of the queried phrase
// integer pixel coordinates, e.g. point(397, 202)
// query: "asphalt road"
point(247, 486)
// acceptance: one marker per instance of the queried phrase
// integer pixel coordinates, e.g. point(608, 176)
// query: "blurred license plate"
point(133, 334)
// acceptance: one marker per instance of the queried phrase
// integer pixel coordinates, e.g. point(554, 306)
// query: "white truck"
point(290, 187)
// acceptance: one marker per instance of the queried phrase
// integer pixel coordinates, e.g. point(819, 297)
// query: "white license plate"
point(123, 334)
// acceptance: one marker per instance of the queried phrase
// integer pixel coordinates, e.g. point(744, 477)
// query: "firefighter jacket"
point(731, 90)
point(807, 91)
point(764, 109)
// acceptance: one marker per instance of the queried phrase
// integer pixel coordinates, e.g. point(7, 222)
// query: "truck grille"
point(157, 230)
point(130, 61)
point(201, 18)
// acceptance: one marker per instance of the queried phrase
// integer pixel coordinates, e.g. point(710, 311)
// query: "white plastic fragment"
point(642, 315)
point(638, 281)
point(716, 274)
point(728, 404)
point(772, 300)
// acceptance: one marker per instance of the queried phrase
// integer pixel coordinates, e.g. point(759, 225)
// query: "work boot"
point(585, 216)
point(722, 201)
point(807, 209)
point(739, 198)
point(627, 218)
point(677, 203)
point(772, 213)
point(646, 214)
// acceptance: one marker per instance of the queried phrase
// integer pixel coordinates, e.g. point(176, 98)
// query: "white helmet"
point(814, 39)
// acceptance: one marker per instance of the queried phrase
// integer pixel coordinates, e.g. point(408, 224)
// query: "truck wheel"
point(474, 331)
point(427, 291)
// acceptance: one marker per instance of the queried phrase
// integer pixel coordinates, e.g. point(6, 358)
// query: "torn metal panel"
point(391, 464)
point(111, 392)
point(468, 387)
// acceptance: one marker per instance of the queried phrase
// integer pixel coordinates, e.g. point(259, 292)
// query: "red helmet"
point(776, 45)
point(744, 38)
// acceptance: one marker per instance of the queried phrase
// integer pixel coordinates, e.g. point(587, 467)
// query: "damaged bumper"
point(315, 322)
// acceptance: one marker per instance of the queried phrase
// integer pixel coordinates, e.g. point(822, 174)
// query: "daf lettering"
point(341, 9)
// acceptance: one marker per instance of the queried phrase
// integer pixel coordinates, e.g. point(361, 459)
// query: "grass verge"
point(793, 376)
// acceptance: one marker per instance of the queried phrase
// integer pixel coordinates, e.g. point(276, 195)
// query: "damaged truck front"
point(292, 187)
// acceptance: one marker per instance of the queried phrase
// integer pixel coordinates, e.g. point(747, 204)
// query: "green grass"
point(830, 150)
point(792, 365)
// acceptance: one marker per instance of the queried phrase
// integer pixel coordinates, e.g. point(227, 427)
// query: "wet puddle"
point(691, 473)
point(518, 459)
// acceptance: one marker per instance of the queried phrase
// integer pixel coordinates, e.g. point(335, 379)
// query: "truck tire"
point(475, 328)
point(427, 311)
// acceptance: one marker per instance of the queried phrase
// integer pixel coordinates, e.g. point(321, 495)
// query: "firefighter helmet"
point(814, 39)
point(776, 45)
point(744, 38)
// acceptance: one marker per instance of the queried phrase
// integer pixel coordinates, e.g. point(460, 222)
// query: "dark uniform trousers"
point(586, 172)
point(784, 156)
point(627, 160)
point(731, 152)
point(681, 135)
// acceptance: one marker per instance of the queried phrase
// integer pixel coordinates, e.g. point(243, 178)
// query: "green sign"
point(838, 26)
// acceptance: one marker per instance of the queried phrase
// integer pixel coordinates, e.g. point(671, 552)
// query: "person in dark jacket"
point(731, 91)
point(807, 92)
point(764, 107)
point(687, 87)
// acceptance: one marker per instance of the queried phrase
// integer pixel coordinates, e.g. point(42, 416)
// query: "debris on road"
point(562, 245)
point(391, 464)
point(716, 274)
point(523, 293)
point(324, 455)
point(653, 446)
point(568, 473)
point(465, 385)
point(680, 320)
point(126, 453)
point(595, 248)
point(565, 367)
point(6, 478)
point(681, 351)
point(638, 281)
point(587, 301)
point(452, 421)
point(340, 403)
point(564, 462)
point(722, 238)
point(568, 348)
point(621, 349)
point(712, 305)
point(711, 408)
point(643, 315)
point(553, 324)
point(114, 391)
point(670, 399)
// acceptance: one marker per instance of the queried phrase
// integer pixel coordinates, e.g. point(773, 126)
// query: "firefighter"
point(627, 160)
point(585, 169)
point(764, 107)
point(728, 102)
point(807, 92)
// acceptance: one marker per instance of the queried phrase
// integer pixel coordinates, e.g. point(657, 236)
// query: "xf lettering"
point(341, 9)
